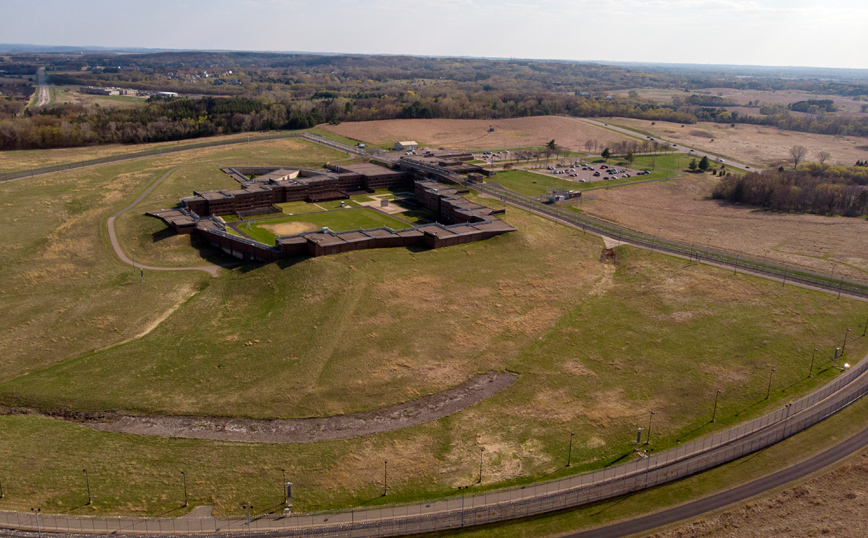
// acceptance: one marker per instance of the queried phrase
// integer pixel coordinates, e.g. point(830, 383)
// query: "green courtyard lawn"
point(337, 220)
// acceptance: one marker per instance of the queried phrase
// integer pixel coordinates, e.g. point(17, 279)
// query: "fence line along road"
point(174, 149)
point(499, 505)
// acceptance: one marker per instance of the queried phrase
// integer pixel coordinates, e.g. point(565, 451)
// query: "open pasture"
point(755, 145)
point(596, 346)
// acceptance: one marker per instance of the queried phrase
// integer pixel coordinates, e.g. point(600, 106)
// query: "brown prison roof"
point(436, 231)
point(325, 240)
point(369, 170)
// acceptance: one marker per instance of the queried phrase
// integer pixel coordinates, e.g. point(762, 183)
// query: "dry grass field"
point(473, 134)
point(752, 144)
point(682, 211)
point(845, 105)
point(832, 504)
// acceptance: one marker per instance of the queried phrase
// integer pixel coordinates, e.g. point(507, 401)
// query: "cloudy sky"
point(829, 33)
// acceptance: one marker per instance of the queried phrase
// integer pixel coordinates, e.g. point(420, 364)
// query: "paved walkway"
point(213, 270)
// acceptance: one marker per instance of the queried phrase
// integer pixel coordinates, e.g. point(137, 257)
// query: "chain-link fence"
point(504, 504)
point(731, 259)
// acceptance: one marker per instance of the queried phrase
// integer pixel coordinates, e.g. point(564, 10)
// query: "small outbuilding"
point(408, 145)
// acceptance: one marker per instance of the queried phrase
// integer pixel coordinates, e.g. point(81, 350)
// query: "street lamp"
point(648, 435)
point(769, 391)
point(284, 484)
point(570, 456)
point(811, 369)
point(247, 507)
point(846, 334)
point(385, 477)
point(185, 487)
point(481, 452)
point(714, 413)
point(87, 481)
point(36, 511)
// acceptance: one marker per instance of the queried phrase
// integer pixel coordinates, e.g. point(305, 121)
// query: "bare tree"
point(798, 153)
point(589, 144)
point(823, 156)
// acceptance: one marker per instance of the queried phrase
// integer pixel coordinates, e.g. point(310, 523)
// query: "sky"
point(829, 33)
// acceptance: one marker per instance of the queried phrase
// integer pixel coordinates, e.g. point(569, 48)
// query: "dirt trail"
point(302, 430)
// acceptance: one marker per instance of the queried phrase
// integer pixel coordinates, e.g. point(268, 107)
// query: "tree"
point(589, 144)
point(630, 157)
point(798, 153)
point(692, 165)
point(551, 145)
point(823, 156)
point(606, 154)
point(704, 164)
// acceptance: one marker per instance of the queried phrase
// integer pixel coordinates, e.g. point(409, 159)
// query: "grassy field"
point(756, 145)
point(337, 220)
point(683, 211)
point(595, 345)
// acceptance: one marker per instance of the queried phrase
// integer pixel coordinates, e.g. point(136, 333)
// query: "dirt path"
point(305, 430)
point(213, 270)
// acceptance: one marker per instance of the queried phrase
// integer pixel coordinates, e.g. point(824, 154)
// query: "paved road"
point(680, 149)
point(213, 270)
point(726, 498)
point(42, 89)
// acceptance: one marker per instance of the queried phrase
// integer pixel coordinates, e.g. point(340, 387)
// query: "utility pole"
point(769, 391)
point(811, 369)
point(481, 452)
point(714, 413)
point(648, 434)
point(87, 481)
point(570, 456)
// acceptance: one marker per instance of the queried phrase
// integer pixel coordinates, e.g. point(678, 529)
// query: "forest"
point(814, 188)
point(238, 92)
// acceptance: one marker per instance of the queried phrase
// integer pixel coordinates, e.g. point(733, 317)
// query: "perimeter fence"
point(504, 504)
point(692, 251)
point(185, 147)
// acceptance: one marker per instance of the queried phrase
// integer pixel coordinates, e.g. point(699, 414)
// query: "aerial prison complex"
point(459, 220)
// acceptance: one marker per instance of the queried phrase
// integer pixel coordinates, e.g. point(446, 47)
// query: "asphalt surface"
point(726, 498)
point(44, 96)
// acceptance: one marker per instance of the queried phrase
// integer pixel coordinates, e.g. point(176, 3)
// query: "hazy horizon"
point(773, 33)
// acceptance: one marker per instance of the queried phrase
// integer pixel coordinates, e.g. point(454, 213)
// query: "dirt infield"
point(754, 144)
point(473, 134)
point(682, 211)
point(289, 228)
point(303, 430)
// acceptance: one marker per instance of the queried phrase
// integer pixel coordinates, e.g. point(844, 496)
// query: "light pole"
point(282, 470)
point(811, 369)
point(714, 413)
point(183, 474)
point(87, 481)
point(846, 334)
point(648, 435)
point(638, 438)
point(248, 507)
point(787, 419)
point(385, 477)
point(769, 391)
point(481, 452)
point(570, 456)
point(36, 511)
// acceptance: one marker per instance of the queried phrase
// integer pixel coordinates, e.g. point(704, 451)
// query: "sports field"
point(336, 220)
point(596, 347)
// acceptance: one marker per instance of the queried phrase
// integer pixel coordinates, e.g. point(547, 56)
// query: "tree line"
point(815, 188)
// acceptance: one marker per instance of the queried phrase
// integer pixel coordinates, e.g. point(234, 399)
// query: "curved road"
point(212, 269)
point(679, 149)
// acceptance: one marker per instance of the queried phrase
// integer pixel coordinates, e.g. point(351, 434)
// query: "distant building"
point(408, 145)
point(167, 94)
point(98, 91)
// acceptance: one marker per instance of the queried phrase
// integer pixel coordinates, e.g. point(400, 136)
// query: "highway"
point(44, 95)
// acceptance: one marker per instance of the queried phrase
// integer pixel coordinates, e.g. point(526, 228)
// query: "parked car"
point(596, 174)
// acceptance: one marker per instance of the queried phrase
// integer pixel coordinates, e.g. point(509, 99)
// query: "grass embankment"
point(596, 347)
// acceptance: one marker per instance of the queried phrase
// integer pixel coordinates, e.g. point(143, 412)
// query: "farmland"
point(569, 133)
point(595, 346)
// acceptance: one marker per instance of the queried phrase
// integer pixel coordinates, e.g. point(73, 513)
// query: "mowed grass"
point(596, 347)
point(337, 220)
